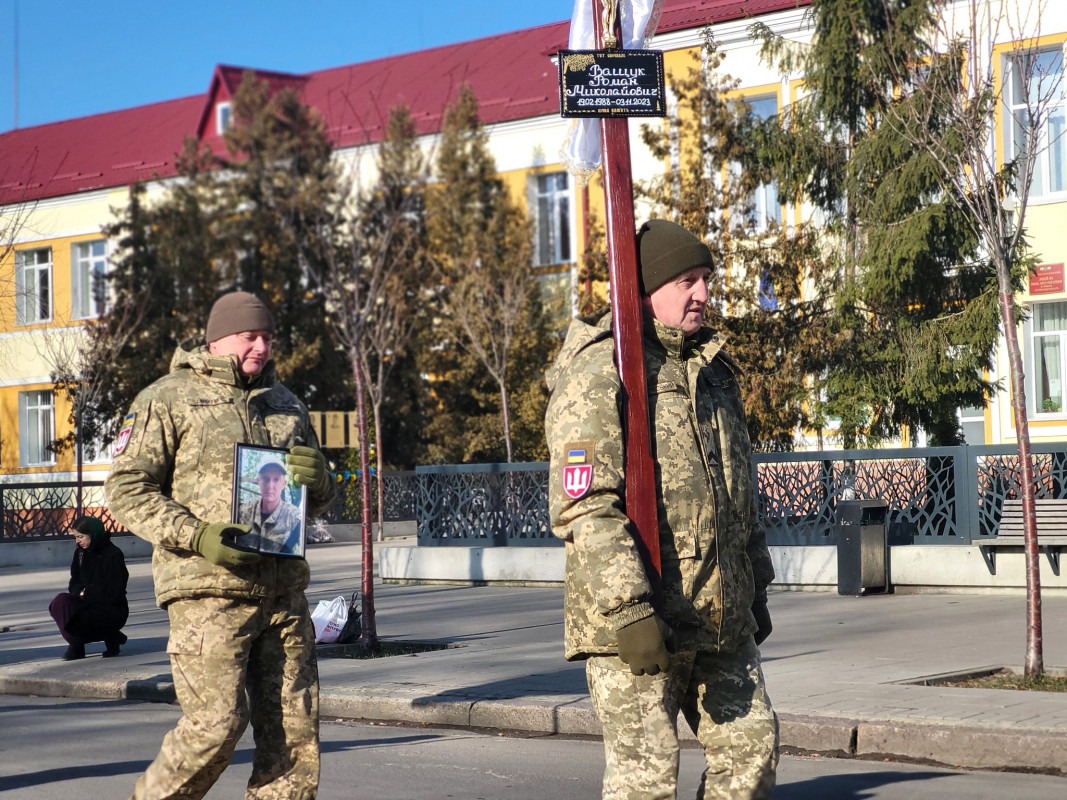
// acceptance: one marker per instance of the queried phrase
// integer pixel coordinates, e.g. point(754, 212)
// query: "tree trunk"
point(78, 459)
point(1034, 648)
point(369, 634)
point(378, 466)
point(507, 418)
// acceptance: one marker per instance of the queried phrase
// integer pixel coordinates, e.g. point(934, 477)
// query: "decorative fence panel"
point(484, 504)
point(935, 495)
point(399, 498)
point(46, 510)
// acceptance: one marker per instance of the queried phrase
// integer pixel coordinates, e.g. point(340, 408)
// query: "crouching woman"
point(94, 608)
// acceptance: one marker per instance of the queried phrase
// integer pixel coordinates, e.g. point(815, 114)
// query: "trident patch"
point(123, 438)
point(578, 470)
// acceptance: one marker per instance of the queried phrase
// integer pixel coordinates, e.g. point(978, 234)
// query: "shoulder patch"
point(125, 432)
point(577, 469)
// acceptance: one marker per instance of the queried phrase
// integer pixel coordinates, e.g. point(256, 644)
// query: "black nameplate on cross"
point(611, 83)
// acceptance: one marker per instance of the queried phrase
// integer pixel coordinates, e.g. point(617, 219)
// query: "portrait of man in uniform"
point(269, 502)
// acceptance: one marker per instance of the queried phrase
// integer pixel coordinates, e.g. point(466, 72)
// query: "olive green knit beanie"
point(666, 250)
point(238, 312)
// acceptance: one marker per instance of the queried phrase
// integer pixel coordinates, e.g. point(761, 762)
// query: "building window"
point(222, 118)
point(33, 286)
point(553, 206)
point(1036, 117)
point(36, 428)
point(972, 423)
point(765, 208)
point(1049, 332)
point(88, 289)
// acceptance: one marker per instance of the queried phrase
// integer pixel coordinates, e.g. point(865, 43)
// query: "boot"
point(74, 652)
point(113, 643)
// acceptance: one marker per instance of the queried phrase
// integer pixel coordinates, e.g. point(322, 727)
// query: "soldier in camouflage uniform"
point(242, 646)
point(695, 650)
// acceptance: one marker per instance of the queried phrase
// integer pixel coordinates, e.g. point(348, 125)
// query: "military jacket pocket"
point(186, 642)
point(284, 420)
point(683, 544)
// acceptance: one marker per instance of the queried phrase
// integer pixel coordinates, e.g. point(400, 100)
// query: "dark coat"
point(100, 571)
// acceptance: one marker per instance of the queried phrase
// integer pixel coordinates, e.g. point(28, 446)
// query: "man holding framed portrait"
point(242, 646)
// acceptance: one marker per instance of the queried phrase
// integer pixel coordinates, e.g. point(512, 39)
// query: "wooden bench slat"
point(1051, 523)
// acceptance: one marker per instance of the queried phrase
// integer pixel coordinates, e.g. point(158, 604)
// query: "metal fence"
point(936, 495)
point(484, 504)
point(41, 511)
point(46, 510)
point(942, 495)
point(399, 498)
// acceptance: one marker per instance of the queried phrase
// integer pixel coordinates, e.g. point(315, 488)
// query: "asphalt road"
point(57, 748)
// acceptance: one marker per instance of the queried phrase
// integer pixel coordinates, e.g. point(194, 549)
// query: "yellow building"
point(60, 182)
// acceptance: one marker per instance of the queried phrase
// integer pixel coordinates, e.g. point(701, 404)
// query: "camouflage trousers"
point(723, 698)
point(235, 661)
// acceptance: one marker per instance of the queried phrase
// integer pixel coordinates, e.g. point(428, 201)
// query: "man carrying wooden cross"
point(691, 646)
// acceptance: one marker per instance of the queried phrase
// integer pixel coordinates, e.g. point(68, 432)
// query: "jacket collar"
point(706, 341)
point(221, 368)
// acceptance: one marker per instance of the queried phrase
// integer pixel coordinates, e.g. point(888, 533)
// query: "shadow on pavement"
point(850, 787)
point(564, 682)
point(53, 775)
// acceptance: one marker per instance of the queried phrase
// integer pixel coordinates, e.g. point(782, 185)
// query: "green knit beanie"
point(666, 250)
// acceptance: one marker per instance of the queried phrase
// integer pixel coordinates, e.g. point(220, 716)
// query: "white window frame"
point(1046, 88)
point(551, 202)
point(974, 417)
point(765, 205)
point(33, 286)
point(1047, 382)
point(37, 425)
point(223, 115)
point(88, 290)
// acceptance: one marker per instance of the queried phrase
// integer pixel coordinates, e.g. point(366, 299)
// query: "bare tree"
point(985, 57)
point(13, 219)
point(393, 218)
point(75, 353)
point(365, 263)
point(480, 243)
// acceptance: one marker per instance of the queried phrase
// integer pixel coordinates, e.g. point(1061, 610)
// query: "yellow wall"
point(29, 353)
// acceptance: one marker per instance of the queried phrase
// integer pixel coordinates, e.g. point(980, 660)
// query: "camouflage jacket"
point(714, 554)
point(173, 468)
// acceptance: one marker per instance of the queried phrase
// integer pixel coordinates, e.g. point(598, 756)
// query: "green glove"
point(763, 622)
point(642, 645)
point(307, 466)
point(210, 541)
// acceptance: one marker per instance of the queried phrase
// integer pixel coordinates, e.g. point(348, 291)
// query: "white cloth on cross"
point(639, 19)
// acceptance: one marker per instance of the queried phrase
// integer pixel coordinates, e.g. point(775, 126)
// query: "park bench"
point(1051, 517)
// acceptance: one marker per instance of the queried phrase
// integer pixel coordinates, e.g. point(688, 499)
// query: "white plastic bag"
point(329, 618)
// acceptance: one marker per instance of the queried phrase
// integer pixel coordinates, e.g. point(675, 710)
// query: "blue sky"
point(80, 57)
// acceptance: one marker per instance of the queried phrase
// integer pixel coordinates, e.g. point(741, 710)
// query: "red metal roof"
point(511, 75)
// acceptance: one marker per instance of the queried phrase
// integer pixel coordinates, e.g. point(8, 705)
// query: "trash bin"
point(861, 547)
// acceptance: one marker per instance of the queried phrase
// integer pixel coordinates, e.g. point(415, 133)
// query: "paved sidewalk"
point(836, 666)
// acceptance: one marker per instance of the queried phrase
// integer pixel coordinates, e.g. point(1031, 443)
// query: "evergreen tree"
point(233, 222)
point(490, 342)
point(915, 317)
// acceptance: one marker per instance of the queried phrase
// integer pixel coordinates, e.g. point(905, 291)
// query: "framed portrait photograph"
point(266, 497)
